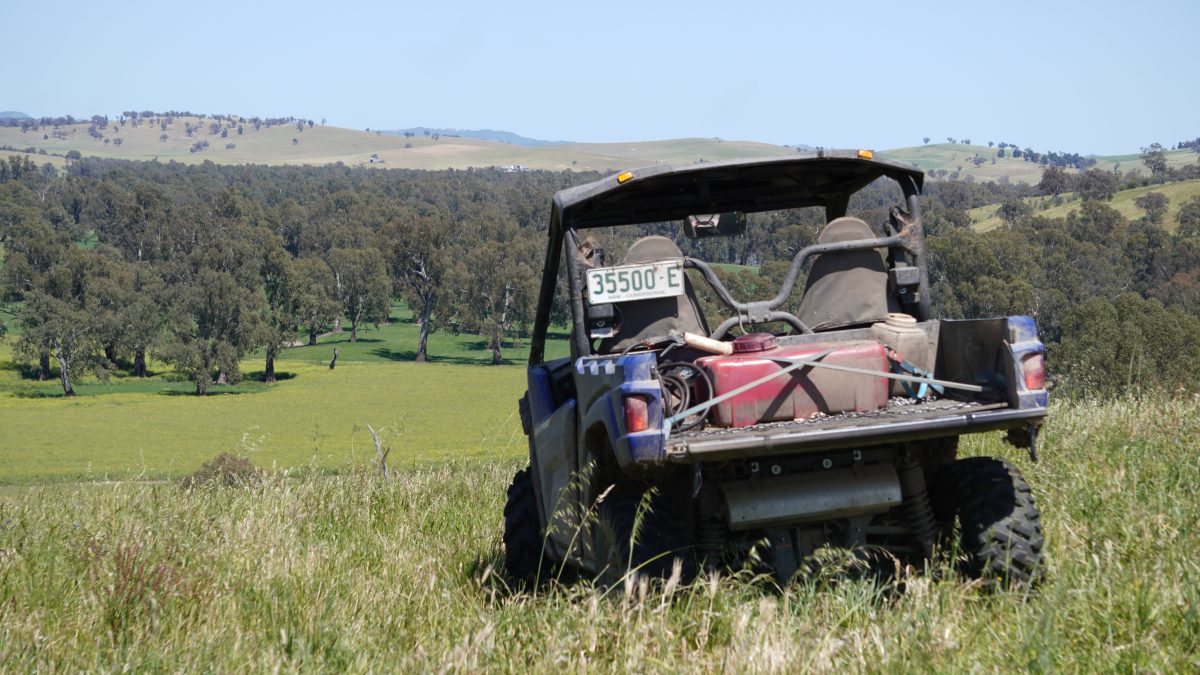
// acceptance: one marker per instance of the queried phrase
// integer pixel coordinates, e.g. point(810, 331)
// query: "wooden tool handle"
point(707, 344)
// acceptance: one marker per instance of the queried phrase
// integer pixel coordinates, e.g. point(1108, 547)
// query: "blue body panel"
point(602, 383)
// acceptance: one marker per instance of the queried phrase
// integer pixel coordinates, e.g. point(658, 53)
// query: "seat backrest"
point(643, 319)
point(846, 288)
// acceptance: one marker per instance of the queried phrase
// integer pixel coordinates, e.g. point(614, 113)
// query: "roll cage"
point(663, 193)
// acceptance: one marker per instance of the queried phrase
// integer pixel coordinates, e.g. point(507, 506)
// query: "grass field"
point(309, 571)
point(455, 406)
point(984, 218)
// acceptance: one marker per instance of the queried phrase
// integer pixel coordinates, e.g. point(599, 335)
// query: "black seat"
point(642, 319)
point(846, 288)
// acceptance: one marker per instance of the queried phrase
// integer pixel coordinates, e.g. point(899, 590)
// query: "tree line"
point(111, 262)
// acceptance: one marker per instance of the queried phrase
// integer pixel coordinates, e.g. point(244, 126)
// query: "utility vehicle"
point(833, 420)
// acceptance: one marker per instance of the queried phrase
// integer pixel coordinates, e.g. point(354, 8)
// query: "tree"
point(1154, 204)
point(362, 285)
point(496, 286)
point(33, 249)
point(64, 328)
point(143, 317)
point(1013, 210)
point(1189, 218)
point(317, 302)
point(63, 315)
point(420, 260)
point(281, 312)
point(1129, 344)
point(1096, 184)
point(1155, 159)
point(1054, 181)
point(213, 324)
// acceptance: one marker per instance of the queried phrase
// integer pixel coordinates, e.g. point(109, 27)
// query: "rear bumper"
point(800, 437)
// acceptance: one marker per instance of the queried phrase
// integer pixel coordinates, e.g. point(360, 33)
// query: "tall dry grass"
point(310, 571)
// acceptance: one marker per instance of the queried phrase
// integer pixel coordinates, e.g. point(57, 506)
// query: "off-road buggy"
point(663, 442)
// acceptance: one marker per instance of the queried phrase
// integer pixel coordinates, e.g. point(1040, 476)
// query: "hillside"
point(958, 157)
point(320, 144)
point(984, 218)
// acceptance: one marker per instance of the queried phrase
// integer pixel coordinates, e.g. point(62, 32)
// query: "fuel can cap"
point(754, 342)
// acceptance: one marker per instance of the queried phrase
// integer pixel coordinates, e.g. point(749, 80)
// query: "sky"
point(1096, 77)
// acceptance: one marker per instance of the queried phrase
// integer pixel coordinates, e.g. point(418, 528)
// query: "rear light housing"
point(1033, 366)
point(637, 413)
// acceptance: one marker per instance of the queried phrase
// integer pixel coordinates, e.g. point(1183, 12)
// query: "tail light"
point(637, 413)
point(1034, 368)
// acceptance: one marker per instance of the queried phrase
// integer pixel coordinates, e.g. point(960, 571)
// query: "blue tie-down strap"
point(900, 367)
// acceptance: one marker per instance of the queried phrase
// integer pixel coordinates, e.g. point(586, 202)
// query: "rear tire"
point(524, 549)
point(649, 547)
point(1000, 526)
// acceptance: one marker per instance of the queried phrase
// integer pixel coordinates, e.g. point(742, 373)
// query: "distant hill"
point(479, 134)
point(982, 163)
point(14, 115)
point(193, 139)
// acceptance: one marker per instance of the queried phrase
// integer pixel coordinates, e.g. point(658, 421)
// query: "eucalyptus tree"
point(213, 323)
point(316, 296)
point(363, 286)
point(281, 310)
point(496, 285)
point(421, 256)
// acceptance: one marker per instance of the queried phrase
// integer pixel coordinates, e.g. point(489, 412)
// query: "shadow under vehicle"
point(662, 442)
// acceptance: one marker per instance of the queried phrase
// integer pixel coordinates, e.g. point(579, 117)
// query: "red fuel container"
point(801, 393)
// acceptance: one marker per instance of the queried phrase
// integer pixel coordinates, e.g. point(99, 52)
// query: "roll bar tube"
point(764, 311)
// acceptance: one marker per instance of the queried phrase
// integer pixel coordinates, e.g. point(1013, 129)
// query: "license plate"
point(635, 282)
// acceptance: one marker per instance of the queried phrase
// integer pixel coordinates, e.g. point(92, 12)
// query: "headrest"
point(652, 248)
point(846, 228)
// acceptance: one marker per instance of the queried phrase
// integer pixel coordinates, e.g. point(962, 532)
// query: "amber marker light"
point(866, 154)
point(624, 176)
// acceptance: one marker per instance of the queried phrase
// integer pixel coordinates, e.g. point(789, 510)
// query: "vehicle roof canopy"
point(662, 193)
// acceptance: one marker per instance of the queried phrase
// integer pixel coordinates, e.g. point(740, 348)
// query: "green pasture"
point(455, 406)
point(984, 218)
point(317, 416)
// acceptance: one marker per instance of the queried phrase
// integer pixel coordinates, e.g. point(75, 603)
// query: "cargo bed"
point(901, 421)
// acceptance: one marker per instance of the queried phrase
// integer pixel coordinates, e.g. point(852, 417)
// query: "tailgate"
point(895, 424)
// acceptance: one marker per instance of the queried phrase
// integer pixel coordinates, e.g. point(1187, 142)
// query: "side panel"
point(555, 439)
point(553, 436)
